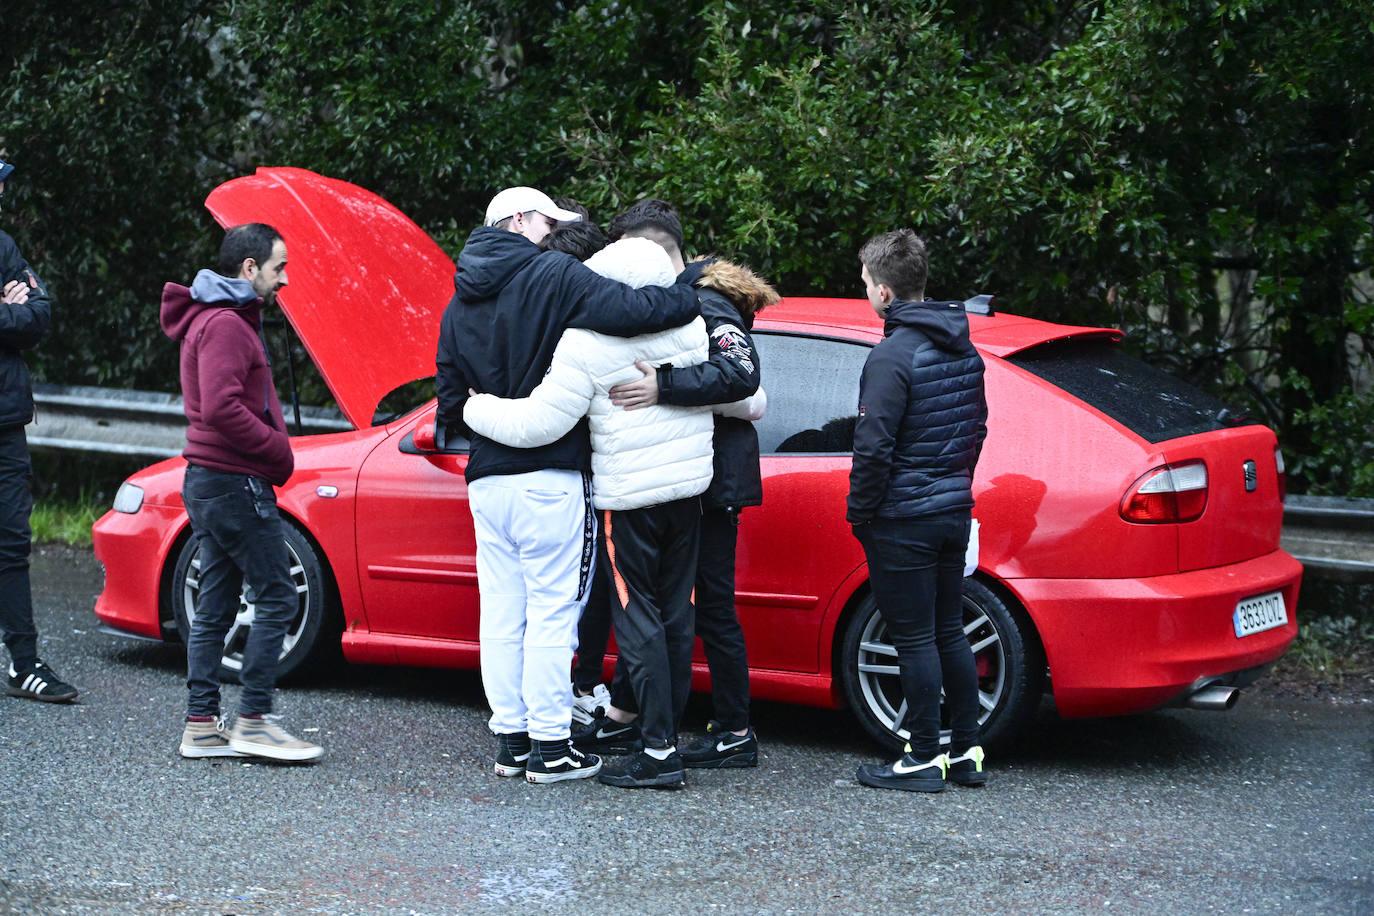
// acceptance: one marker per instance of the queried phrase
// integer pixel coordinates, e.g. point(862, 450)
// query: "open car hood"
point(367, 286)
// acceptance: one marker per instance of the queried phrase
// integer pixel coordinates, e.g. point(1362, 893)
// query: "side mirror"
point(424, 437)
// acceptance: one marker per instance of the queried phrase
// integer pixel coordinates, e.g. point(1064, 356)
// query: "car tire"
point(307, 639)
point(1007, 652)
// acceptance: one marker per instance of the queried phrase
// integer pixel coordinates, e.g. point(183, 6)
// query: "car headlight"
point(129, 498)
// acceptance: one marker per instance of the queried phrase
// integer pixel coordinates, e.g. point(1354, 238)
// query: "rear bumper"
point(133, 551)
point(1120, 646)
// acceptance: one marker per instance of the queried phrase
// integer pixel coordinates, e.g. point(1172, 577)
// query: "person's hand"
point(16, 293)
point(643, 393)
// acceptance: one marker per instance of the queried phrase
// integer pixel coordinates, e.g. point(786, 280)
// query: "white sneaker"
point(207, 739)
point(586, 709)
point(265, 738)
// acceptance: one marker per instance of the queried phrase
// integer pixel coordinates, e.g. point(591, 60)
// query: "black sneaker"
point(644, 771)
point(607, 736)
point(40, 683)
point(967, 768)
point(907, 774)
point(512, 753)
point(721, 749)
point(555, 761)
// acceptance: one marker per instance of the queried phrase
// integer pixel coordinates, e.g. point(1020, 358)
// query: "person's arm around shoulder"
point(884, 389)
point(609, 307)
point(552, 408)
point(25, 307)
point(731, 371)
point(228, 351)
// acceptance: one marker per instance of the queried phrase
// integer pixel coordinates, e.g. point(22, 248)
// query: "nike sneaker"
point(644, 771)
point(607, 736)
point(556, 761)
point(512, 753)
point(907, 774)
point(586, 709)
point(721, 749)
point(967, 768)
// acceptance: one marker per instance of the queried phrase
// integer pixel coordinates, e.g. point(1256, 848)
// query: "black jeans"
point(16, 502)
point(653, 561)
point(234, 517)
point(717, 621)
point(916, 567)
point(594, 627)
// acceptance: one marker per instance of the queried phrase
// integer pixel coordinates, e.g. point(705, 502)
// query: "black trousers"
point(916, 566)
point(16, 503)
point(653, 561)
point(594, 627)
point(717, 621)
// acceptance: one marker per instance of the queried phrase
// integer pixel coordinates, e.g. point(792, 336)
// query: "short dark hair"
point(651, 218)
point(251, 240)
point(567, 203)
point(897, 260)
point(580, 239)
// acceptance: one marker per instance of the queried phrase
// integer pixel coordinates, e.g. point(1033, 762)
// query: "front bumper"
point(133, 551)
point(1121, 646)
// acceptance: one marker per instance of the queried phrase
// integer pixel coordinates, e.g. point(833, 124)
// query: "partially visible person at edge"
point(531, 508)
point(25, 316)
point(921, 424)
point(730, 295)
point(237, 448)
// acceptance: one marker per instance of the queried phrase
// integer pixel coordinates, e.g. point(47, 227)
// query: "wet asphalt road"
point(1269, 807)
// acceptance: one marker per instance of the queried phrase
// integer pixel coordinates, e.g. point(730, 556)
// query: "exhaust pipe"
point(1216, 697)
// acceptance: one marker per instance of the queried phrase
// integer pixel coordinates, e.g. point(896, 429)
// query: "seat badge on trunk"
point(1251, 476)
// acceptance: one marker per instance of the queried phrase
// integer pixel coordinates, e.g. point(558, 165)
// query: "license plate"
point(1263, 612)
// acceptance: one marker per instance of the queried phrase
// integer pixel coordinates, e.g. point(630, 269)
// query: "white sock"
point(658, 754)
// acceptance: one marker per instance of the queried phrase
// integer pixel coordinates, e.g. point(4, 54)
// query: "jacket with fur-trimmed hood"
point(639, 457)
point(730, 295)
point(234, 419)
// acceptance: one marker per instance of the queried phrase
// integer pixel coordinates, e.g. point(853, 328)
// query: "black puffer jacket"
point(922, 416)
point(22, 327)
point(512, 302)
point(731, 295)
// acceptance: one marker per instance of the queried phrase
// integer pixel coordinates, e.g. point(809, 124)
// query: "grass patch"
point(66, 522)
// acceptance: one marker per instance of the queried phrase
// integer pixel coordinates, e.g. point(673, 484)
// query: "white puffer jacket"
point(639, 457)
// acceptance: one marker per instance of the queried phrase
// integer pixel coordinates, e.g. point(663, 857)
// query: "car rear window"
point(1148, 401)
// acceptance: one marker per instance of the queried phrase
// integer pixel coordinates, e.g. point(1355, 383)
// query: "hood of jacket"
point(209, 290)
point(944, 323)
point(489, 260)
point(749, 292)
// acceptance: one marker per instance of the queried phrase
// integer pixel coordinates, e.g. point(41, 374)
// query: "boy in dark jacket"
point(730, 296)
point(922, 421)
point(25, 316)
point(236, 450)
point(531, 508)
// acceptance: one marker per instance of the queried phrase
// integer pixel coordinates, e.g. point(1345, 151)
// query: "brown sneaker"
point(265, 738)
point(206, 739)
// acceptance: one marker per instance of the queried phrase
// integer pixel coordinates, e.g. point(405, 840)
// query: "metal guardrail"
point(1333, 535)
point(140, 424)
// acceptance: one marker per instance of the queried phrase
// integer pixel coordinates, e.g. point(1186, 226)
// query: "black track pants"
point(653, 560)
point(717, 621)
point(16, 502)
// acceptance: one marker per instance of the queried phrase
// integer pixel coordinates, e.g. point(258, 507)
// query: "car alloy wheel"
point(302, 639)
point(1007, 659)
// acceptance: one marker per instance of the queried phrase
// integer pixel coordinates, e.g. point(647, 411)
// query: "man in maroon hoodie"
point(236, 450)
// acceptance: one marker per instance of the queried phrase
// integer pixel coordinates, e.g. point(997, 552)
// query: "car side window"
point(813, 393)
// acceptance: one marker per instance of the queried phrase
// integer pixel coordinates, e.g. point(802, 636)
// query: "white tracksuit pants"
point(535, 538)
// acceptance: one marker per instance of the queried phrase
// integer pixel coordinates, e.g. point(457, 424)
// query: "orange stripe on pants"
point(621, 589)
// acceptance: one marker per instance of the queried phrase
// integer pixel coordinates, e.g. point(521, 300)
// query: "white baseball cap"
point(522, 200)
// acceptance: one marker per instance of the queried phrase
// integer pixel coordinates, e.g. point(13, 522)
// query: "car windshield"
point(1148, 401)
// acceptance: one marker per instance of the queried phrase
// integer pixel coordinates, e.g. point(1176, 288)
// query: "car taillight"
point(1282, 473)
point(1171, 493)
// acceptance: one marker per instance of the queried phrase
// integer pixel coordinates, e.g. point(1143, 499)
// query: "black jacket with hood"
point(922, 416)
point(730, 296)
point(512, 302)
point(22, 327)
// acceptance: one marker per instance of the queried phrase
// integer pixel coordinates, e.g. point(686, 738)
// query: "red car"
point(1130, 526)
